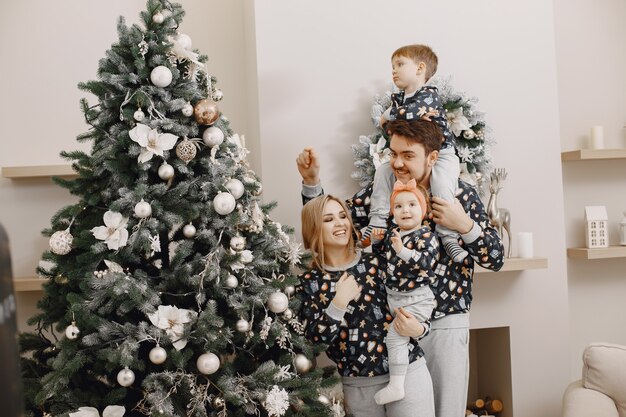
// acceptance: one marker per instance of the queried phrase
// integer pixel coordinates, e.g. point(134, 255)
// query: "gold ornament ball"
point(186, 150)
point(206, 112)
point(61, 242)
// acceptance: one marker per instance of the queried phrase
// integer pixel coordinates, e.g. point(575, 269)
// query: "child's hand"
point(377, 234)
point(396, 241)
point(347, 290)
point(430, 114)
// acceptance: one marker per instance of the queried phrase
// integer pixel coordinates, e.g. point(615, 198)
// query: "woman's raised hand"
point(346, 290)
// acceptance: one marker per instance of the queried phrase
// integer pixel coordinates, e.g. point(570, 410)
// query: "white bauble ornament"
point(242, 325)
point(288, 314)
point(324, 399)
point(302, 363)
point(184, 40)
point(246, 256)
point(61, 242)
point(71, 331)
point(277, 302)
point(224, 203)
point(189, 231)
point(217, 95)
point(166, 171)
point(235, 187)
point(208, 363)
point(213, 136)
point(143, 209)
point(231, 281)
point(290, 290)
point(259, 190)
point(138, 115)
point(161, 76)
point(125, 377)
point(238, 242)
point(157, 355)
point(187, 110)
point(186, 150)
point(218, 402)
point(158, 18)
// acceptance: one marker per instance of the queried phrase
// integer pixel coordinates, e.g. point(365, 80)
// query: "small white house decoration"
point(597, 235)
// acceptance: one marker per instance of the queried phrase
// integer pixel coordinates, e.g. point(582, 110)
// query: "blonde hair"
point(419, 53)
point(312, 221)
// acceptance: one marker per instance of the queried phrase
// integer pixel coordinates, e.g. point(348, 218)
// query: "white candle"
point(525, 244)
point(597, 138)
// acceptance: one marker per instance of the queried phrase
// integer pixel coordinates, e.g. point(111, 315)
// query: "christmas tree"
point(169, 291)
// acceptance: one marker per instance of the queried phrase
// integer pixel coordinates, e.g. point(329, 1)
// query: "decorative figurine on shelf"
point(500, 218)
point(622, 231)
point(596, 227)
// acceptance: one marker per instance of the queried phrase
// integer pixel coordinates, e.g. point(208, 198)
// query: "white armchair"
point(602, 390)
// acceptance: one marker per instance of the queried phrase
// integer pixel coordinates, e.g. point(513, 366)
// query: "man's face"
point(409, 160)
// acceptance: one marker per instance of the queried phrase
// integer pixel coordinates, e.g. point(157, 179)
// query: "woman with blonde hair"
point(345, 307)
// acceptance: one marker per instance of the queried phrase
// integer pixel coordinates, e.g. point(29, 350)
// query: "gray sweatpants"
point(358, 395)
point(420, 303)
point(446, 348)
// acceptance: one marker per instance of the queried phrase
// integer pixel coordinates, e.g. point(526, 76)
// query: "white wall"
point(47, 48)
point(319, 65)
point(591, 61)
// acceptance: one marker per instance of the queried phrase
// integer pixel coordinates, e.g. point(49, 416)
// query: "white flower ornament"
point(114, 231)
point(457, 121)
point(109, 411)
point(151, 142)
point(173, 319)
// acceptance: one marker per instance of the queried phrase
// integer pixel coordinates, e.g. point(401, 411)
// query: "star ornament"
point(114, 231)
point(151, 142)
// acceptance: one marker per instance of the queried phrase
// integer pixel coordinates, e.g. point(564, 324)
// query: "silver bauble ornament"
point(224, 203)
point(71, 331)
point(157, 355)
point(238, 242)
point(242, 325)
point(217, 95)
point(235, 187)
point(213, 136)
point(186, 150)
point(187, 110)
point(166, 171)
point(231, 281)
point(61, 242)
point(288, 314)
point(302, 363)
point(158, 18)
point(289, 290)
point(277, 302)
point(259, 190)
point(324, 399)
point(218, 402)
point(143, 209)
point(189, 231)
point(161, 76)
point(183, 40)
point(138, 115)
point(208, 363)
point(206, 112)
point(125, 377)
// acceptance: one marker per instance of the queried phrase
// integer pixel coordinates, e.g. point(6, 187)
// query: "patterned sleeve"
point(422, 255)
point(319, 327)
point(483, 241)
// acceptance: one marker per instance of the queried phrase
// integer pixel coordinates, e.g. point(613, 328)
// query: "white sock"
point(394, 391)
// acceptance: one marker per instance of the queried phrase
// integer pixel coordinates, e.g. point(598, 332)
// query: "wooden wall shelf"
point(517, 264)
point(26, 284)
point(38, 171)
point(597, 253)
point(590, 154)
